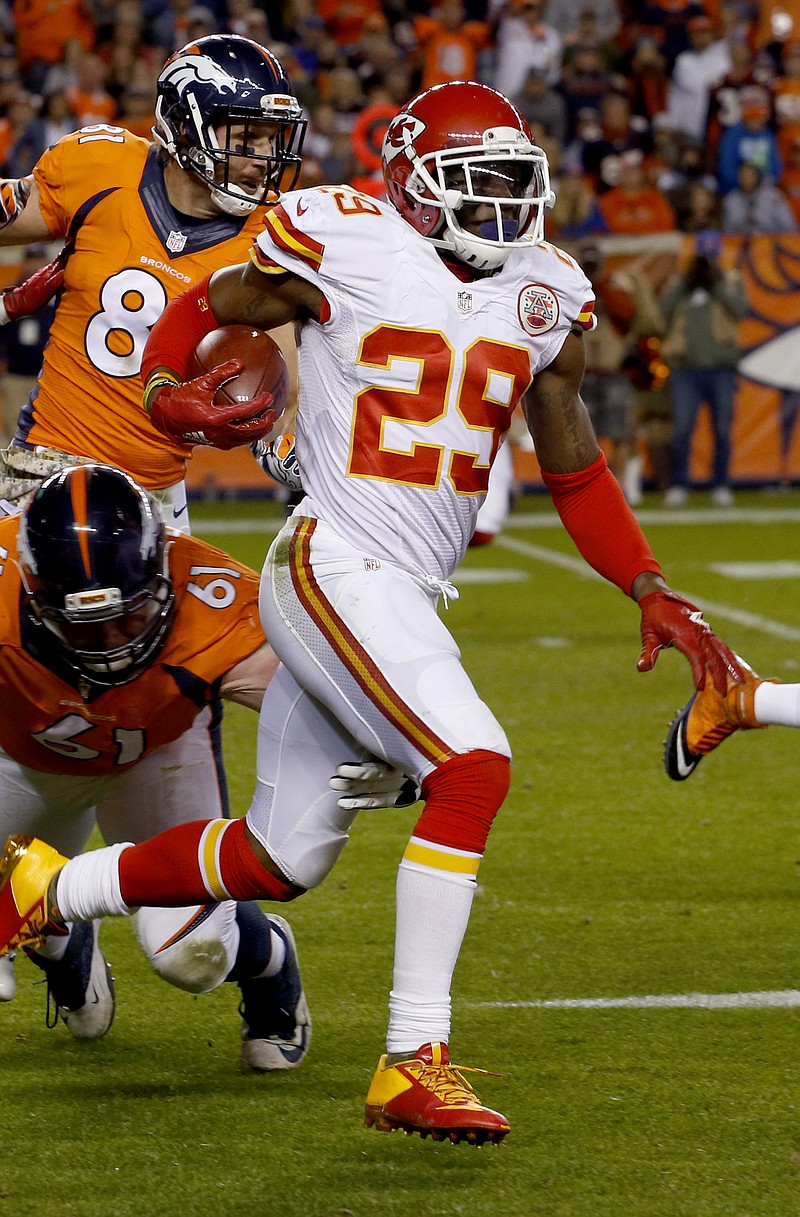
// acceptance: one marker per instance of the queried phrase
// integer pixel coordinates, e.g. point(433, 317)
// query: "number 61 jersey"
point(409, 380)
point(131, 252)
point(45, 723)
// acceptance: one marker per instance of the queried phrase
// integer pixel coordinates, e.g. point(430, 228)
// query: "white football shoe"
point(276, 1021)
point(80, 984)
point(8, 981)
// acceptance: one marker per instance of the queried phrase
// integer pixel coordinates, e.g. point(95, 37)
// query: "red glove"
point(34, 293)
point(670, 621)
point(187, 411)
point(14, 194)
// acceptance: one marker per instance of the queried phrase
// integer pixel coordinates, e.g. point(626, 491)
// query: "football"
point(264, 368)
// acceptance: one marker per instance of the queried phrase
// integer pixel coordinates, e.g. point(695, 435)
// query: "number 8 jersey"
point(131, 252)
point(409, 380)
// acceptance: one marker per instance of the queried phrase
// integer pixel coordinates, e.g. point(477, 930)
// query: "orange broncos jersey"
point(46, 725)
point(131, 252)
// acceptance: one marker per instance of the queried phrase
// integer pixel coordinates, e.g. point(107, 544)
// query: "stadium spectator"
point(584, 85)
point(698, 206)
point(449, 43)
point(752, 139)
point(634, 205)
point(53, 121)
point(724, 103)
point(606, 388)
point(44, 29)
point(342, 91)
point(21, 348)
point(351, 584)
point(588, 34)
point(88, 98)
point(20, 135)
point(524, 40)
point(790, 178)
point(344, 19)
point(569, 19)
point(756, 206)
point(648, 79)
point(786, 98)
point(702, 308)
point(542, 105)
point(665, 21)
point(695, 72)
point(620, 132)
point(136, 111)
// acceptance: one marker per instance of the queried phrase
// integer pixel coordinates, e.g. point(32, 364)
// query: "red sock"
point(462, 797)
point(196, 862)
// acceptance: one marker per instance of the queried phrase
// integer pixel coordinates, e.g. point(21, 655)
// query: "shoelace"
point(447, 1082)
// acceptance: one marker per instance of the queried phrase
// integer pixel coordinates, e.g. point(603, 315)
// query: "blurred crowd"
point(659, 115)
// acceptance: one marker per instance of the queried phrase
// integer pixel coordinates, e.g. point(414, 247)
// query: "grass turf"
point(603, 879)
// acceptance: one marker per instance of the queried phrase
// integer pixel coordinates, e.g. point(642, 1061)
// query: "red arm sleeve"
point(605, 530)
point(185, 320)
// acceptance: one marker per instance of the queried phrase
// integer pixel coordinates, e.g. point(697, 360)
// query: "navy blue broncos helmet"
point(213, 98)
point(95, 573)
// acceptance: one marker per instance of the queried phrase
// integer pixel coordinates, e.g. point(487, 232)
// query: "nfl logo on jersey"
point(176, 242)
point(465, 302)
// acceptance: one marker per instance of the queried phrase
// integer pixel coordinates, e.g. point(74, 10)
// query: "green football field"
point(631, 967)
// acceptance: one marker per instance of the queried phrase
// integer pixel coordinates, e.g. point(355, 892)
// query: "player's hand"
point(14, 194)
point(278, 458)
point(668, 620)
point(189, 413)
point(28, 297)
point(365, 785)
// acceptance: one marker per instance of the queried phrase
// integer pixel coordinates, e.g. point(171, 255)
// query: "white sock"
point(88, 886)
point(433, 907)
point(277, 956)
point(779, 704)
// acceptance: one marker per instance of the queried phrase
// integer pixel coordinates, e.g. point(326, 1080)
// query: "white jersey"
point(409, 380)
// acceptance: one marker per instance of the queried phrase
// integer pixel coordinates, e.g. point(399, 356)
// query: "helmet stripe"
point(78, 489)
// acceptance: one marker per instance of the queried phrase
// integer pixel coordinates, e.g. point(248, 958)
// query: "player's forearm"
point(184, 322)
point(246, 683)
point(593, 510)
point(29, 224)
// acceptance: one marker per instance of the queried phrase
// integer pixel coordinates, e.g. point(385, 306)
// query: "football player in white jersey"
point(423, 322)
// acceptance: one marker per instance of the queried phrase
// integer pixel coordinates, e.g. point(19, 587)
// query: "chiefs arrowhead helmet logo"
point(400, 135)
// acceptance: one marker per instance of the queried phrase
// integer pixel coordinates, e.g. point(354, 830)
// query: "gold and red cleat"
point(27, 868)
point(707, 719)
point(428, 1095)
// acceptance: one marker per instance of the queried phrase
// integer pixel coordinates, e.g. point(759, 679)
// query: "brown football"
point(263, 365)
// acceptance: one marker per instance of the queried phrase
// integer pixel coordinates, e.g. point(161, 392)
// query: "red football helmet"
point(459, 145)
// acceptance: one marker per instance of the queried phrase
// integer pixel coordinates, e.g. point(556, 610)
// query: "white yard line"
point(576, 565)
point(782, 999)
point(711, 608)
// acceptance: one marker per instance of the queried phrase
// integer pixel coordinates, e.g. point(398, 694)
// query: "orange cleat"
point(706, 720)
point(428, 1095)
point(26, 870)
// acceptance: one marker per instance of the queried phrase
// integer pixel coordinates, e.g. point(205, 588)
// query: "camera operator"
point(702, 308)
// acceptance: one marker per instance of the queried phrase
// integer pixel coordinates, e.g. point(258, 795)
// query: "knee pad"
point(462, 797)
point(193, 948)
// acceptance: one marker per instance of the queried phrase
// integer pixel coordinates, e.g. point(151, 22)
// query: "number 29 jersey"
point(103, 189)
point(409, 380)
